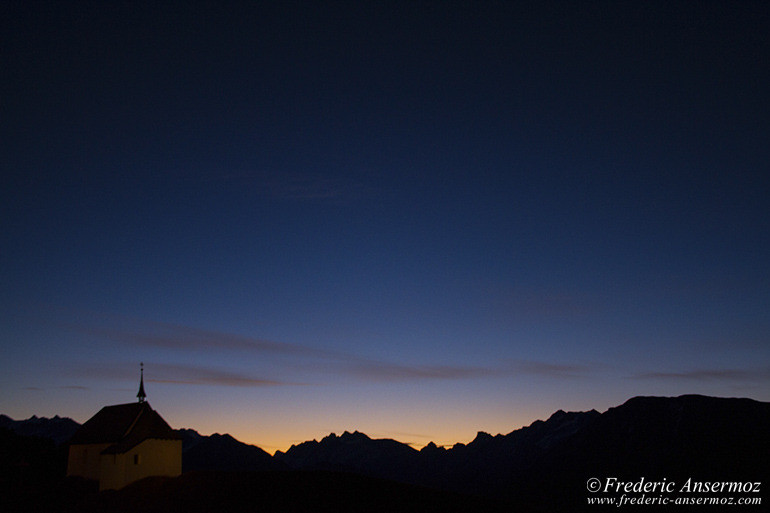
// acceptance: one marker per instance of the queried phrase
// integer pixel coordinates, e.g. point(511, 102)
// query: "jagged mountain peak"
point(355, 435)
point(432, 448)
point(189, 432)
point(58, 429)
point(222, 436)
point(345, 437)
point(481, 437)
point(557, 415)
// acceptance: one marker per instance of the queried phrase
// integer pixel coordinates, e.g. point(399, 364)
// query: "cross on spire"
point(141, 395)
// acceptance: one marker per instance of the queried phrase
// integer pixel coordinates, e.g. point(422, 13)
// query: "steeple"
point(141, 395)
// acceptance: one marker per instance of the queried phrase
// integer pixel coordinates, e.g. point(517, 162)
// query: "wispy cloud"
point(710, 375)
point(399, 434)
point(405, 438)
point(186, 338)
point(74, 387)
point(298, 358)
point(174, 374)
point(193, 375)
point(359, 369)
point(388, 371)
point(550, 369)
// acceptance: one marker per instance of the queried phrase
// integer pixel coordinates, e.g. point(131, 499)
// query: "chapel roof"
point(124, 426)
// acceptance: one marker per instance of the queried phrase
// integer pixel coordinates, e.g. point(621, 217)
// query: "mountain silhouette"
point(540, 467)
point(353, 452)
point(658, 437)
point(58, 429)
point(222, 452)
point(706, 438)
point(485, 463)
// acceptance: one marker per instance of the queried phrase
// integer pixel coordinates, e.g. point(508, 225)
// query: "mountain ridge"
point(60, 428)
point(721, 439)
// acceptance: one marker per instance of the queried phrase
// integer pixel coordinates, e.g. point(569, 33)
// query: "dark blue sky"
point(415, 219)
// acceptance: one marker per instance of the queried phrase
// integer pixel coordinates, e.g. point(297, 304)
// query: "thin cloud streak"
point(388, 371)
point(559, 370)
point(186, 338)
point(710, 375)
point(174, 374)
point(193, 375)
point(398, 435)
point(364, 370)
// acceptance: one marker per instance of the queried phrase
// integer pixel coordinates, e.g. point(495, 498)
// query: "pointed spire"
point(141, 395)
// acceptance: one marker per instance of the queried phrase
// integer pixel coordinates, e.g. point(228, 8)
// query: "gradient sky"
point(414, 219)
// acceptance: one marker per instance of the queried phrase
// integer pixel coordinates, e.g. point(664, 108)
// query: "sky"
point(414, 219)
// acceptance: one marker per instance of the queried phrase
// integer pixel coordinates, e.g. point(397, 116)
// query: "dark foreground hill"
point(279, 491)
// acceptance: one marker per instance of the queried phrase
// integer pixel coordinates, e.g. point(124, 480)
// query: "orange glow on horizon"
point(272, 435)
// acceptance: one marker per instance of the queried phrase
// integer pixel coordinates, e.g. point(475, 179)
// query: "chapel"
point(124, 443)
